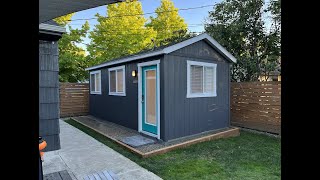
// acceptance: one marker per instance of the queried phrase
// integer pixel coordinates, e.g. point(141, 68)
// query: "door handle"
point(142, 99)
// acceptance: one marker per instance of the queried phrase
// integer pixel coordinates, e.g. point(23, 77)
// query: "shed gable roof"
point(168, 49)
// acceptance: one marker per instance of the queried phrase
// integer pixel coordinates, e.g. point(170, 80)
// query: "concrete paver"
point(81, 155)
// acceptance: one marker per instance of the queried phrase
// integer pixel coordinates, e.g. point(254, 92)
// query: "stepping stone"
point(137, 140)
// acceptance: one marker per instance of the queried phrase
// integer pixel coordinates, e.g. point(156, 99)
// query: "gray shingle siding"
point(49, 94)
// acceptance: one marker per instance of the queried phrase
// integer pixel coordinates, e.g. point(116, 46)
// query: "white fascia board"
point(172, 48)
point(206, 37)
point(128, 59)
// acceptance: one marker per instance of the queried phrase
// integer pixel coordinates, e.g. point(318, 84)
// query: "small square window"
point(117, 81)
point(201, 79)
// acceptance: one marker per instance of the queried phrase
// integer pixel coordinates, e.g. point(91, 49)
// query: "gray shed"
point(49, 34)
point(169, 92)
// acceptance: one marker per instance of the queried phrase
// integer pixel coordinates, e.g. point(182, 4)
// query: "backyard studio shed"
point(168, 92)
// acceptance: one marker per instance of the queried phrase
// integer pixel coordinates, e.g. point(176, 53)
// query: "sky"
point(192, 17)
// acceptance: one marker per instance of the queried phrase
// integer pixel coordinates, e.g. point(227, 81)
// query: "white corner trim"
point(95, 92)
point(172, 48)
point(50, 27)
point(140, 65)
point(197, 63)
point(123, 68)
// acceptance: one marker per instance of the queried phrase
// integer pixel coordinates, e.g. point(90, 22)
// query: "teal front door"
point(149, 99)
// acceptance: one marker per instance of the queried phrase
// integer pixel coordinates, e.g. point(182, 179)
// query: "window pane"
point(98, 82)
point(120, 80)
point(208, 79)
point(92, 83)
point(151, 96)
point(196, 79)
point(112, 80)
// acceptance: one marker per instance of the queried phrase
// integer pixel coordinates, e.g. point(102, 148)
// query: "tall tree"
point(72, 59)
point(168, 23)
point(240, 26)
point(122, 32)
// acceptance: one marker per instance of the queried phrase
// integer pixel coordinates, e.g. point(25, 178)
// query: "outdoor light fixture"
point(134, 73)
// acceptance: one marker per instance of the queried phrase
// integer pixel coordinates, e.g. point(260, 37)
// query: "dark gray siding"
point(122, 110)
point(49, 94)
point(187, 116)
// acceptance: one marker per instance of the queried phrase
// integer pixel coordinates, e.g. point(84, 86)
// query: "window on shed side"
point(117, 81)
point(95, 82)
point(201, 79)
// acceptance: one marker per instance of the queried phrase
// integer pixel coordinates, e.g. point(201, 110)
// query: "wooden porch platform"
point(160, 148)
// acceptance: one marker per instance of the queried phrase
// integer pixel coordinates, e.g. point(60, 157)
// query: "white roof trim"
point(172, 48)
point(131, 58)
point(50, 27)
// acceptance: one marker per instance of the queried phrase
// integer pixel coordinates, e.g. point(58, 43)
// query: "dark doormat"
point(137, 140)
point(61, 175)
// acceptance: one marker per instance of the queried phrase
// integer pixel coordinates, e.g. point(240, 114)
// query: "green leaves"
point(120, 33)
point(72, 59)
point(168, 23)
point(240, 27)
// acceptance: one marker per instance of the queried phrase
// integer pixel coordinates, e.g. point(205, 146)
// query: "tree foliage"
point(120, 33)
point(64, 20)
point(168, 23)
point(240, 26)
point(72, 59)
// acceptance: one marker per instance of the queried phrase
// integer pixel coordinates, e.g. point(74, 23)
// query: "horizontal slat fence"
point(256, 105)
point(74, 99)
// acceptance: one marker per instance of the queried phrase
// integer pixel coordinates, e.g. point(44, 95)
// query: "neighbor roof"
point(168, 49)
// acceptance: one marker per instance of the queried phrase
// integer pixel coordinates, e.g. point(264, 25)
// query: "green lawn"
point(248, 156)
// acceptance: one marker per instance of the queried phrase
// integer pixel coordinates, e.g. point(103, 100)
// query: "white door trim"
point(140, 65)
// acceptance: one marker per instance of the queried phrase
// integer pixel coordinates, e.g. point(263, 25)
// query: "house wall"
point(122, 110)
point(187, 116)
point(49, 94)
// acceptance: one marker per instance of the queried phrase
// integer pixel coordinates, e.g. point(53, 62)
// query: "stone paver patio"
point(81, 155)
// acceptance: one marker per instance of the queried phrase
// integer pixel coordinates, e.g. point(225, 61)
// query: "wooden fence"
point(74, 99)
point(256, 105)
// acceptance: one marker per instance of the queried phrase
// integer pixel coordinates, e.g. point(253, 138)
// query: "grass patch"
point(248, 156)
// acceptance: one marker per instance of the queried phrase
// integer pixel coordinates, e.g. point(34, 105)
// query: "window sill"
point(200, 95)
point(117, 94)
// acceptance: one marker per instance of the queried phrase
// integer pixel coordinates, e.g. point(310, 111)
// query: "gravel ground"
point(118, 132)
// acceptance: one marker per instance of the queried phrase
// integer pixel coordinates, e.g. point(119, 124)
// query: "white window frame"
point(195, 95)
point(124, 81)
point(95, 74)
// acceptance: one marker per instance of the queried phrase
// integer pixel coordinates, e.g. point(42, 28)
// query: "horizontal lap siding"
point(187, 116)
point(49, 94)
